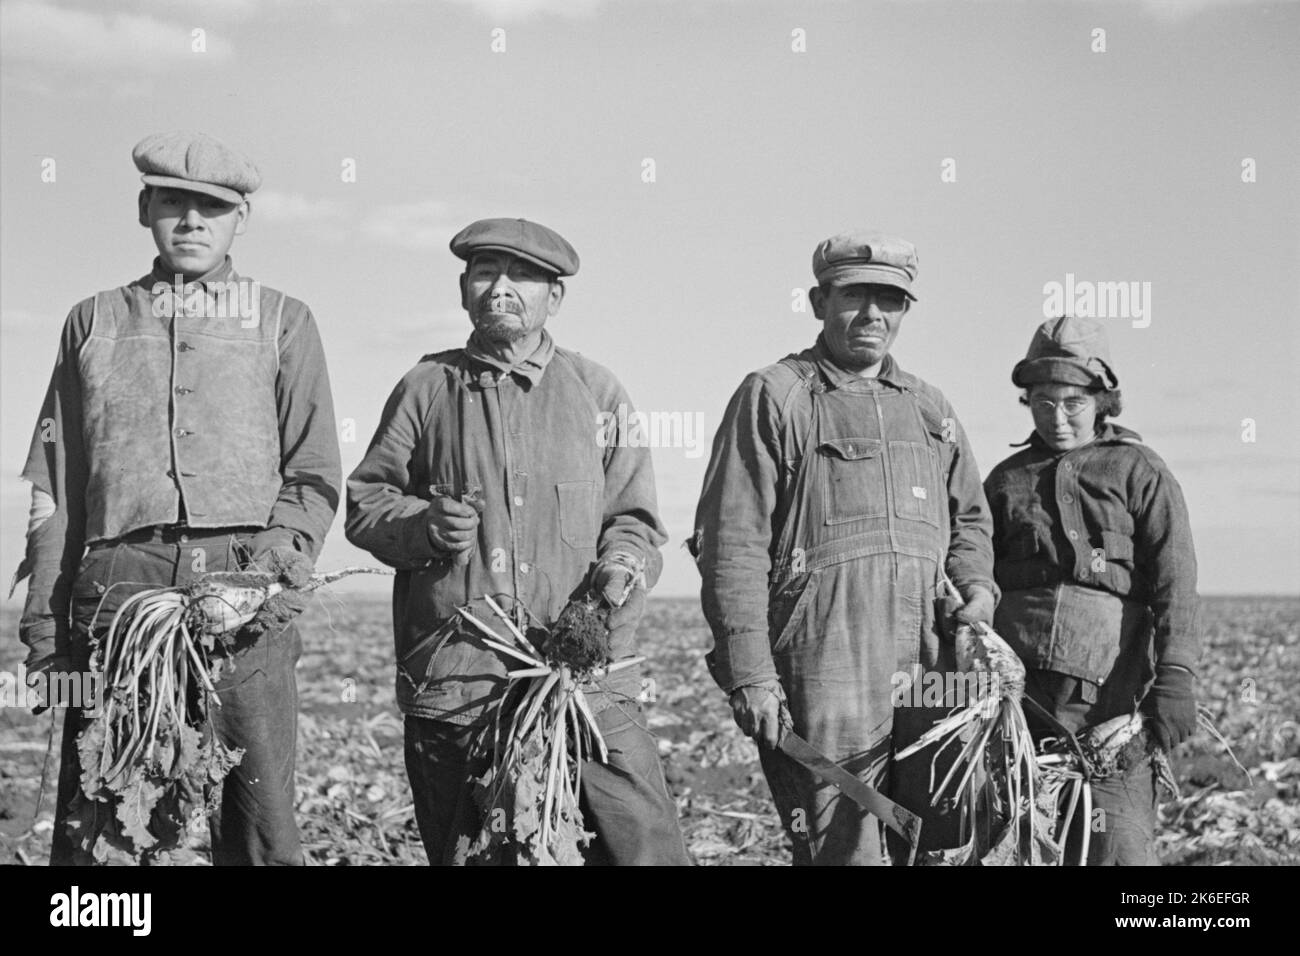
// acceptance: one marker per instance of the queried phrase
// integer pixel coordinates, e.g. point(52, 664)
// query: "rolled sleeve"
point(970, 546)
point(311, 470)
point(384, 517)
point(1166, 561)
point(56, 465)
point(734, 536)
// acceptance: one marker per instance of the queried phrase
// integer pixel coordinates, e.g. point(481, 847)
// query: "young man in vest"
point(188, 428)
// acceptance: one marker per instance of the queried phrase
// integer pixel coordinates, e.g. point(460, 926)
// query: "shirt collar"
point(1109, 433)
point(530, 368)
point(835, 376)
point(220, 274)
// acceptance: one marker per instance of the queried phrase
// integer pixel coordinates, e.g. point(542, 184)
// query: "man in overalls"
point(188, 428)
point(840, 491)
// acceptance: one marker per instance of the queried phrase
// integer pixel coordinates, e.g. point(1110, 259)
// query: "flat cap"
point(865, 256)
point(1068, 350)
point(196, 163)
point(528, 240)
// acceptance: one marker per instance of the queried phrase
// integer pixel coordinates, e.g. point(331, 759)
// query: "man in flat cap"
point(188, 428)
point(840, 491)
point(487, 476)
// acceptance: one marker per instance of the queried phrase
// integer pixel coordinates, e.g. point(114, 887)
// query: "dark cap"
point(1067, 350)
point(196, 163)
point(522, 238)
point(865, 256)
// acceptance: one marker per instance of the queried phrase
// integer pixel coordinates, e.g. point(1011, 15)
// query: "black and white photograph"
point(651, 433)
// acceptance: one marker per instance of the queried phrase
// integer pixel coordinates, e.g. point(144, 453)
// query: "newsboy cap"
point(196, 163)
point(528, 240)
point(865, 256)
point(1068, 350)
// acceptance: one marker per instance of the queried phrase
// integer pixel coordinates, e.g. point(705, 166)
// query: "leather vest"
point(179, 407)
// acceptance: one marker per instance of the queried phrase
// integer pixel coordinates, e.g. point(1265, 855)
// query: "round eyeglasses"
point(1072, 406)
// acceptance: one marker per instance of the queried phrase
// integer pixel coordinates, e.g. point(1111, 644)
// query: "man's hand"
point(47, 667)
point(1170, 705)
point(615, 575)
point(757, 709)
point(452, 525)
point(291, 568)
point(978, 608)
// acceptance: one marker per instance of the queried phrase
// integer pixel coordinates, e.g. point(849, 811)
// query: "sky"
point(695, 153)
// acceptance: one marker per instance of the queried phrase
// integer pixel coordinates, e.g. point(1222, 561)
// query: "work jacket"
point(542, 447)
point(884, 468)
point(1095, 560)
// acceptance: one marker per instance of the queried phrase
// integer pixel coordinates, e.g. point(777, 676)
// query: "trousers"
point(257, 688)
point(625, 801)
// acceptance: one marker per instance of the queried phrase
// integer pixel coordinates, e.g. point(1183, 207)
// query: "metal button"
point(1072, 535)
point(184, 538)
point(170, 473)
point(181, 433)
point(1067, 498)
point(518, 500)
point(182, 390)
point(525, 567)
point(99, 588)
point(184, 347)
point(1068, 466)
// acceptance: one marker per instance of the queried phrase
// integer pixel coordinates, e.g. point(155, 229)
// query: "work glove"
point(614, 577)
point(622, 623)
point(453, 526)
point(1170, 705)
point(291, 568)
point(978, 608)
point(757, 710)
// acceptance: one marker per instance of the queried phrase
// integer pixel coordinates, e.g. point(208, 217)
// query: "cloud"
point(418, 225)
point(81, 41)
point(326, 217)
point(526, 9)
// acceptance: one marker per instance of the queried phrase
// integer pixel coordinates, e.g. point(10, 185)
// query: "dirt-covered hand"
point(757, 710)
point(978, 608)
point(289, 565)
point(452, 525)
point(1170, 705)
point(278, 611)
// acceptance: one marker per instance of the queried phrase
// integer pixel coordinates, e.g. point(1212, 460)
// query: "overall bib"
point(855, 578)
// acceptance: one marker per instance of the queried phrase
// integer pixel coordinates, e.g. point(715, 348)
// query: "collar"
point(1110, 433)
point(834, 376)
point(530, 368)
point(219, 275)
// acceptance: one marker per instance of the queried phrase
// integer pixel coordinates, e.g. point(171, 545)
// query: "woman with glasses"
point(1094, 558)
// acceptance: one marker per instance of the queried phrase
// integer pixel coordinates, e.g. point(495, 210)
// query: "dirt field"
point(354, 802)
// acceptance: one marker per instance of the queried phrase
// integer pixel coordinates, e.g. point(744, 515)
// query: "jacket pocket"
point(579, 526)
point(94, 599)
point(915, 491)
point(853, 479)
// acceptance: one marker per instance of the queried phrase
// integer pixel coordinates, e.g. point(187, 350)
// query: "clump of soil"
point(580, 637)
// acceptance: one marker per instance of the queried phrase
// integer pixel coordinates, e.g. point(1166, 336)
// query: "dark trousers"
point(1123, 821)
point(257, 689)
point(625, 801)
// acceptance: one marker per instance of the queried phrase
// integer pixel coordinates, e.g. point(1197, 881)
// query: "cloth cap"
point(196, 163)
point(864, 256)
point(1067, 350)
point(528, 240)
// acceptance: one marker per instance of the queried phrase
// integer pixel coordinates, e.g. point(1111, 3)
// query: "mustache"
point(501, 305)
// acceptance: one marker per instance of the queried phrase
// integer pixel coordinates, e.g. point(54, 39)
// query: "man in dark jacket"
point(840, 491)
point(489, 474)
